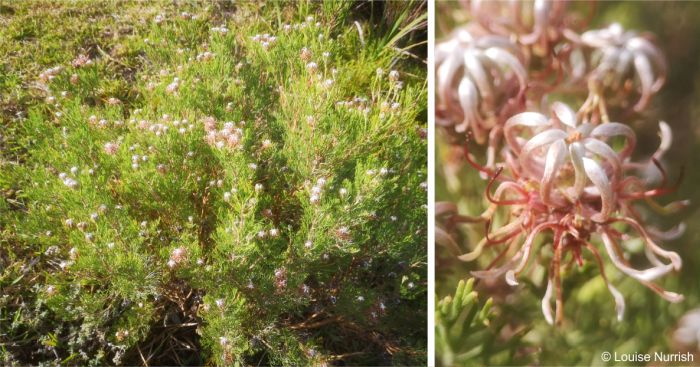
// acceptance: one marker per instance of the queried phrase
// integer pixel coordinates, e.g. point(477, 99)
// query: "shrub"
point(224, 184)
point(554, 180)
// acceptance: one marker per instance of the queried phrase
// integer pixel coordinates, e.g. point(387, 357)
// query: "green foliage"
point(199, 193)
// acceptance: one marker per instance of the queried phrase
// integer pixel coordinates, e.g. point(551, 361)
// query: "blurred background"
point(516, 332)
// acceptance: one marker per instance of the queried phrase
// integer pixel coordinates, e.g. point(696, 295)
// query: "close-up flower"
point(478, 80)
point(558, 224)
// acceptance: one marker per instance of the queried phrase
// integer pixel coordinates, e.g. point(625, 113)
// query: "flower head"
point(621, 55)
point(477, 77)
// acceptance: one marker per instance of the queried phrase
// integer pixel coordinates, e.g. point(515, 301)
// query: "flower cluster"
point(265, 40)
point(564, 179)
point(230, 136)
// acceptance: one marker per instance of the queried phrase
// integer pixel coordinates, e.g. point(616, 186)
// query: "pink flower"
point(567, 185)
point(479, 80)
point(111, 148)
point(561, 146)
point(618, 52)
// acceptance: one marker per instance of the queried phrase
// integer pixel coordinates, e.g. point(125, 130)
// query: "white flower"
point(314, 198)
point(312, 67)
point(227, 197)
point(50, 290)
point(394, 75)
point(274, 232)
point(71, 183)
point(178, 255)
point(562, 142)
point(308, 244)
point(343, 191)
point(220, 303)
point(688, 332)
point(619, 52)
point(305, 54)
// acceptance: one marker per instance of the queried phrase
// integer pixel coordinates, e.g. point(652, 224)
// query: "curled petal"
point(539, 140)
point(623, 65)
point(565, 114)
point(642, 275)
point(529, 119)
point(524, 119)
point(608, 154)
point(525, 253)
point(576, 153)
point(667, 235)
point(481, 78)
point(506, 58)
point(646, 80)
point(547, 303)
point(666, 136)
point(676, 261)
point(619, 299)
point(600, 180)
point(496, 272)
point(470, 256)
point(639, 44)
point(555, 159)
point(611, 129)
point(672, 297)
point(510, 278)
point(469, 102)
point(445, 74)
point(602, 37)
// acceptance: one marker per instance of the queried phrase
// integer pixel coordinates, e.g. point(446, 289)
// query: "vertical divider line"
point(431, 183)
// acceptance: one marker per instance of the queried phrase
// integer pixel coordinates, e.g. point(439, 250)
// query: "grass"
point(201, 193)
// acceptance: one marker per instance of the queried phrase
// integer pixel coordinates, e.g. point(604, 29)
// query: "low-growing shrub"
point(224, 184)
